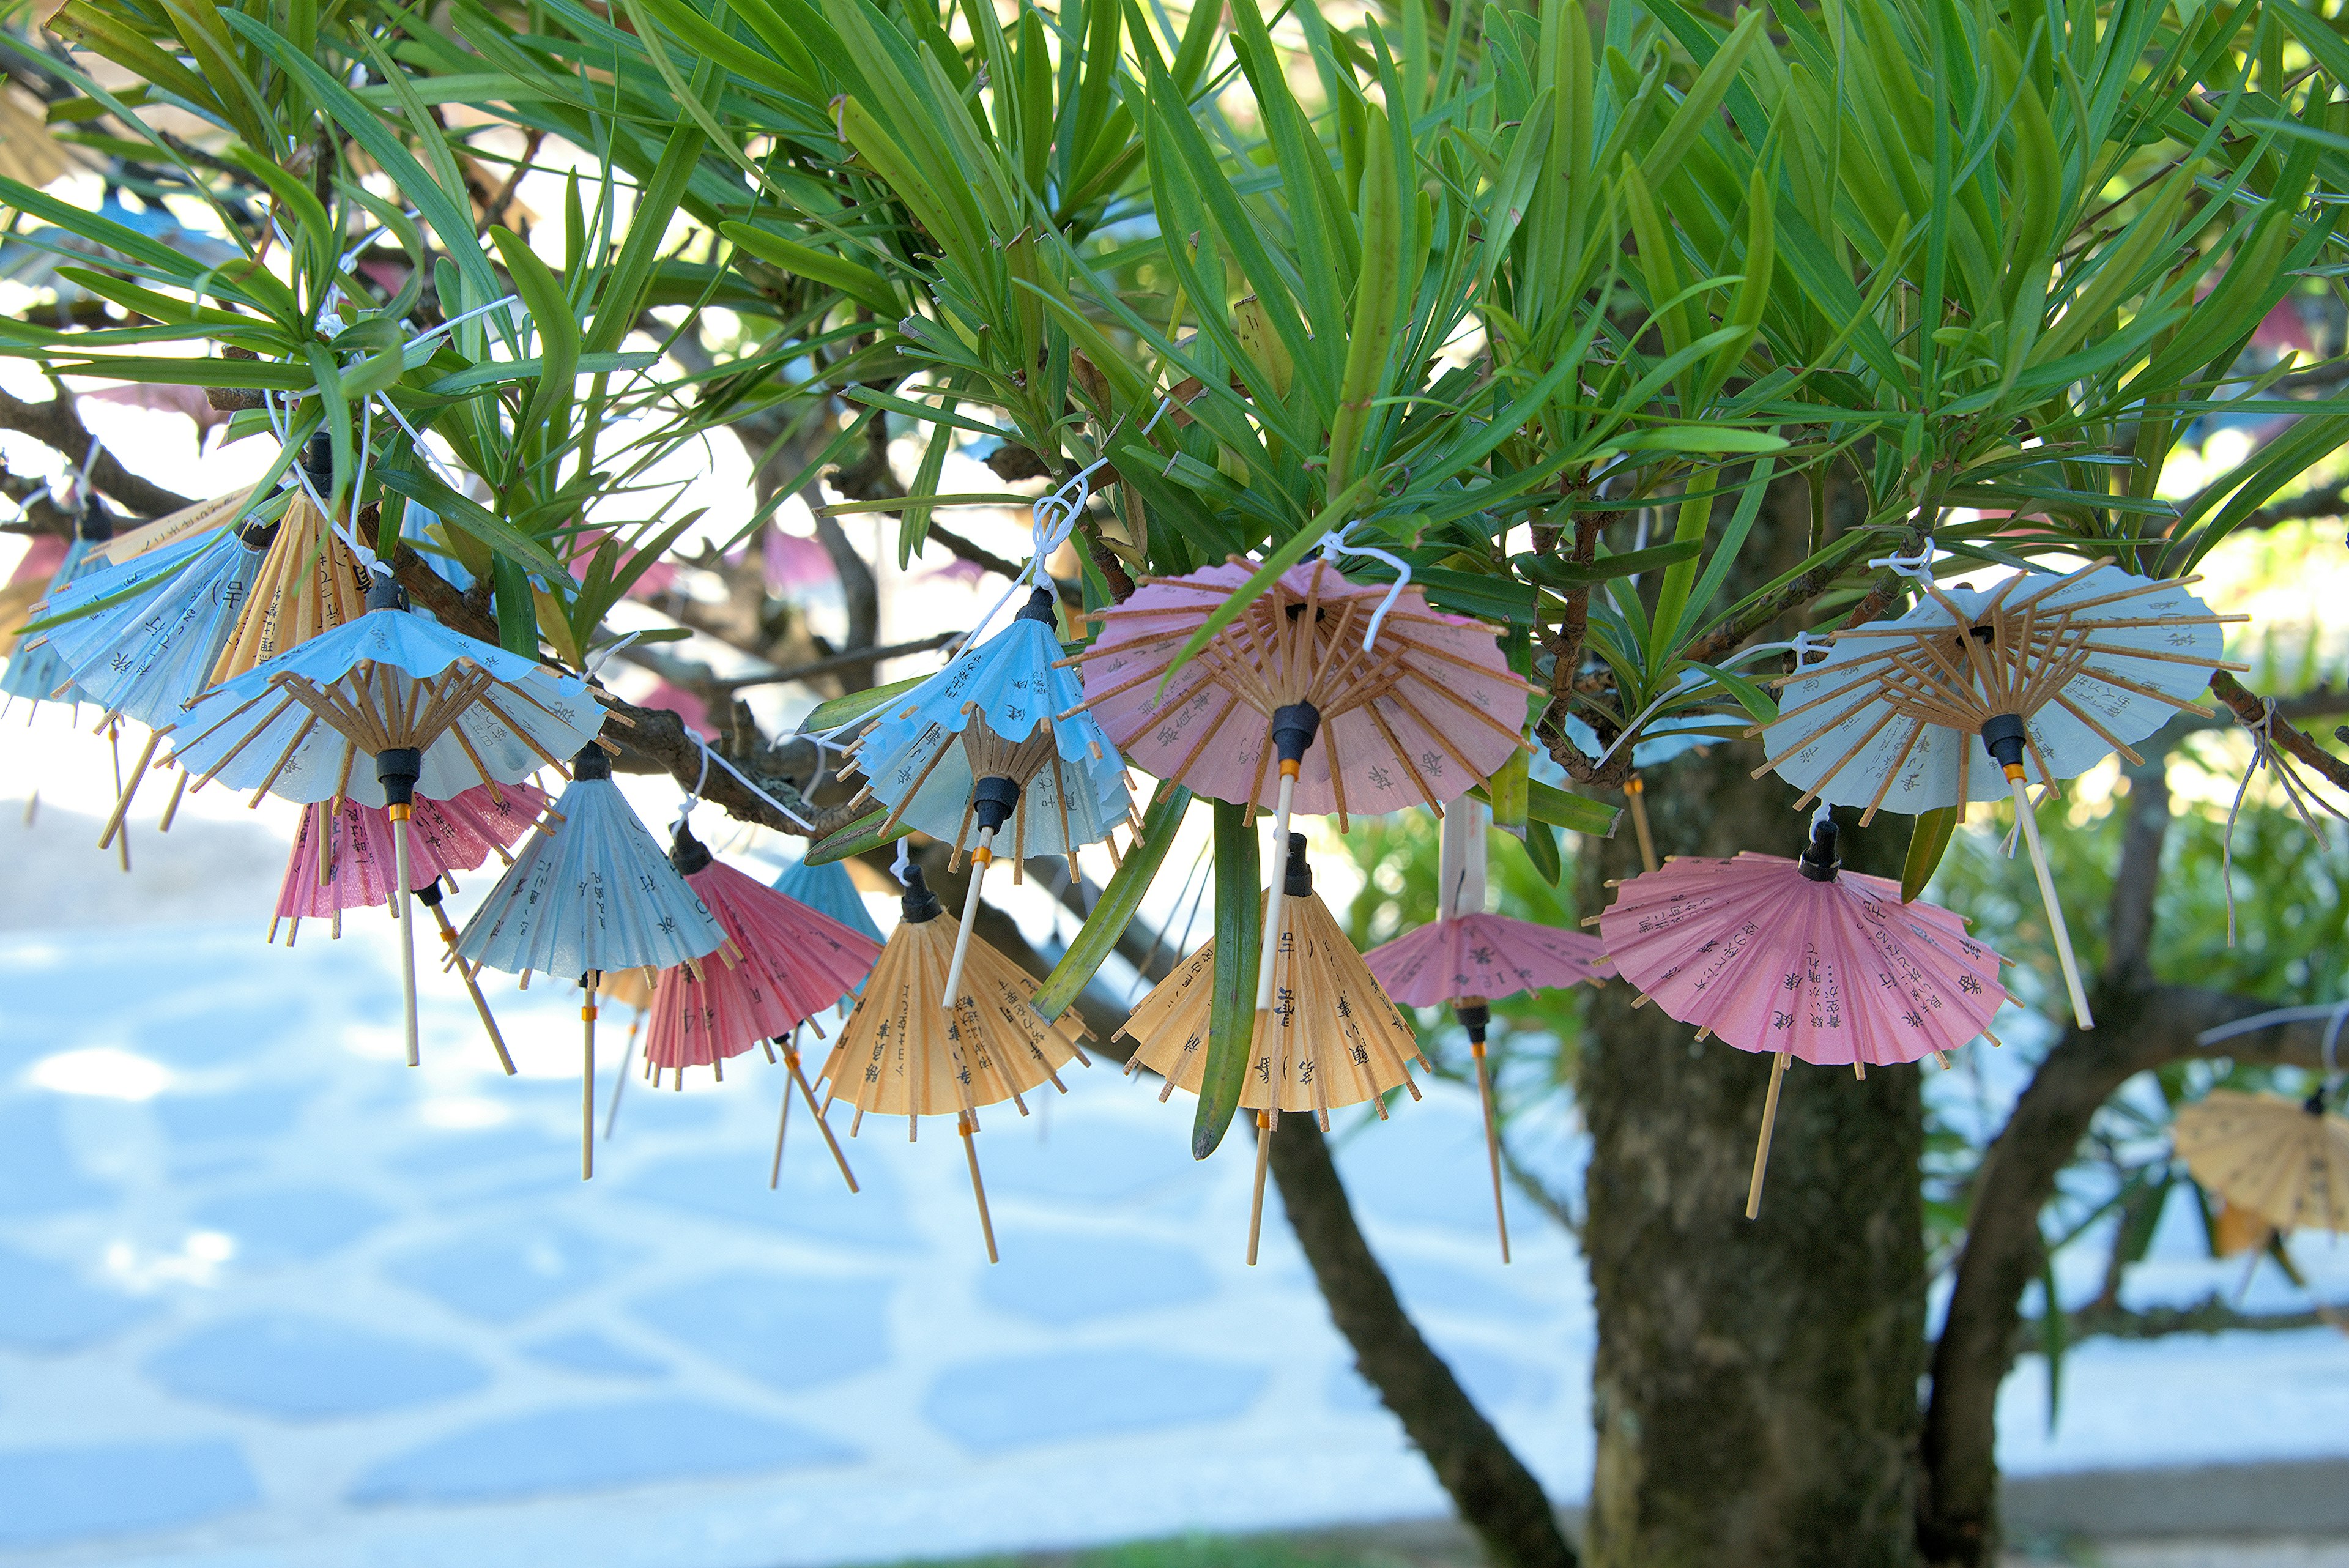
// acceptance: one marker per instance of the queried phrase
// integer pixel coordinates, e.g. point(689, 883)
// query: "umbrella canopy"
point(904, 1052)
point(591, 892)
point(1801, 959)
point(389, 681)
point(309, 581)
point(1330, 1038)
point(794, 962)
point(1923, 712)
point(166, 614)
point(177, 527)
point(1482, 956)
point(1972, 695)
point(828, 889)
point(35, 670)
point(343, 858)
point(2286, 1162)
point(1426, 712)
point(991, 714)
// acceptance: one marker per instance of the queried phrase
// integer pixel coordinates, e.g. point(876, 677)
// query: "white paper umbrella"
point(591, 890)
point(1973, 695)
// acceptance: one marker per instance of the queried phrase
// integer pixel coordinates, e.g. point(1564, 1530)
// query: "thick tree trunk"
point(1755, 1390)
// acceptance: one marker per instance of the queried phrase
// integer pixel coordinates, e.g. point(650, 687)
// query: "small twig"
point(2250, 708)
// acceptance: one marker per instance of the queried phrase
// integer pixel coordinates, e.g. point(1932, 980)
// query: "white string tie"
point(1055, 520)
point(708, 756)
point(78, 484)
point(1165, 403)
point(1825, 814)
point(904, 858)
point(2265, 755)
point(693, 795)
point(1919, 566)
point(1802, 646)
point(604, 655)
point(1334, 543)
point(2335, 1015)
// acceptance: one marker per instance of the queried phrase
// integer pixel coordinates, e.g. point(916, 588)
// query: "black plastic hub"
point(317, 461)
point(1475, 1017)
point(1820, 862)
point(2002, 736)
point(919, 903)
point(398, 770)
point(993, 800)
point(1299, 881)
point(686, 852)
point(96, 525)
point(1042, 605)
point(591, 763)
point(428, 895)
point(1293, 729)
point(384, 592)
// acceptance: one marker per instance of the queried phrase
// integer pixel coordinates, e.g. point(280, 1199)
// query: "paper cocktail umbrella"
point(1973, 696)
point(978, 746)
point(1801, 959)
point(2286, 1162)
point(1467, 957)
point(794, 962)
point(590, 892)
point(35, 671)
point(904, 1052)
point(1409, 707)
point(1330, 1039)
point(829, 890)
point(438, 712)
point(344, 857)
point(165, 616)
point(308, 582)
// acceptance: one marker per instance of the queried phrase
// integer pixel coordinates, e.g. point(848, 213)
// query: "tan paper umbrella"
point(1330, 1037)
point(2286, 1160)
point(29, 153)
point(309, 582)
point(904, 1052)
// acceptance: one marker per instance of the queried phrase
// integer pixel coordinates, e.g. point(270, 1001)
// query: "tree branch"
point(1494, 1491)
point(58, 424)
point(2140, 1030)
point(2250, 709)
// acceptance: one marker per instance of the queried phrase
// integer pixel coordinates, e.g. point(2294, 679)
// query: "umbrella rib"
point(300, 732)
point(1828, 775)
point(1916, 733)
point(1440, 738)
point(1402, 755)
point(250, 735)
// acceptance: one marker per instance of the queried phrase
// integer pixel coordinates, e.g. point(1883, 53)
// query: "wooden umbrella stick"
point(587, 1078)
point(823, 1122)
point(969, 1125)
point(122, 806)
point(123, 837)
point(407, 929)
point(1762, 1146)
point(2054, 905)
point(620, 1082)
point(980, 858)
point(783, 1125)
point(171, 807)
point(472, 989)
point(1636, 793)
point(1272, 909)
point(1492, 1146)
point(1263, 1159)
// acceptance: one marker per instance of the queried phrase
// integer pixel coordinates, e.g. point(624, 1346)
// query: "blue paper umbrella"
point(829, 890)
point(984, 744)
point(390, 680)
point(592, 891)
point(35, 671)
point(439, 712)
point(146, 633)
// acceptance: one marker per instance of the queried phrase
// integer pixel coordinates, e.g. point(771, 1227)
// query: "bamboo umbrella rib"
point(250, 736)
point(1826, 776)
point(301, 733)
point(1403, 756)
point(523, 736)
point(937, 756)
point(1336, 778)
point(1916, 733)
point(1869, 677)
point(1435, 730)
point(2108, 678)
point(1470, 709)
point(2154, 655)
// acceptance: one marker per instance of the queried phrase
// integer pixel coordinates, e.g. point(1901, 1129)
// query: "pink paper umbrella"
point(1368, 700)
point(1468, 957)
point(1798, 958)
point(344, 857)
point(795, 961)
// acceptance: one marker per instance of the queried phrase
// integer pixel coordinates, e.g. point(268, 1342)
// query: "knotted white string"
point(692, 796)
point(1054, 519)
point(2335, 1014)
point(80, 482)
point(1919, 566)
point(604, 655)
point(1803, 645)
point(904, 858)
point(1334, 543)
point(2264, 754)
point(708, 756)
point(1825, 813)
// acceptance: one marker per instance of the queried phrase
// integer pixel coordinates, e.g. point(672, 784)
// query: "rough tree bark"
point(1755, 1384)
point(1754, 1387)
